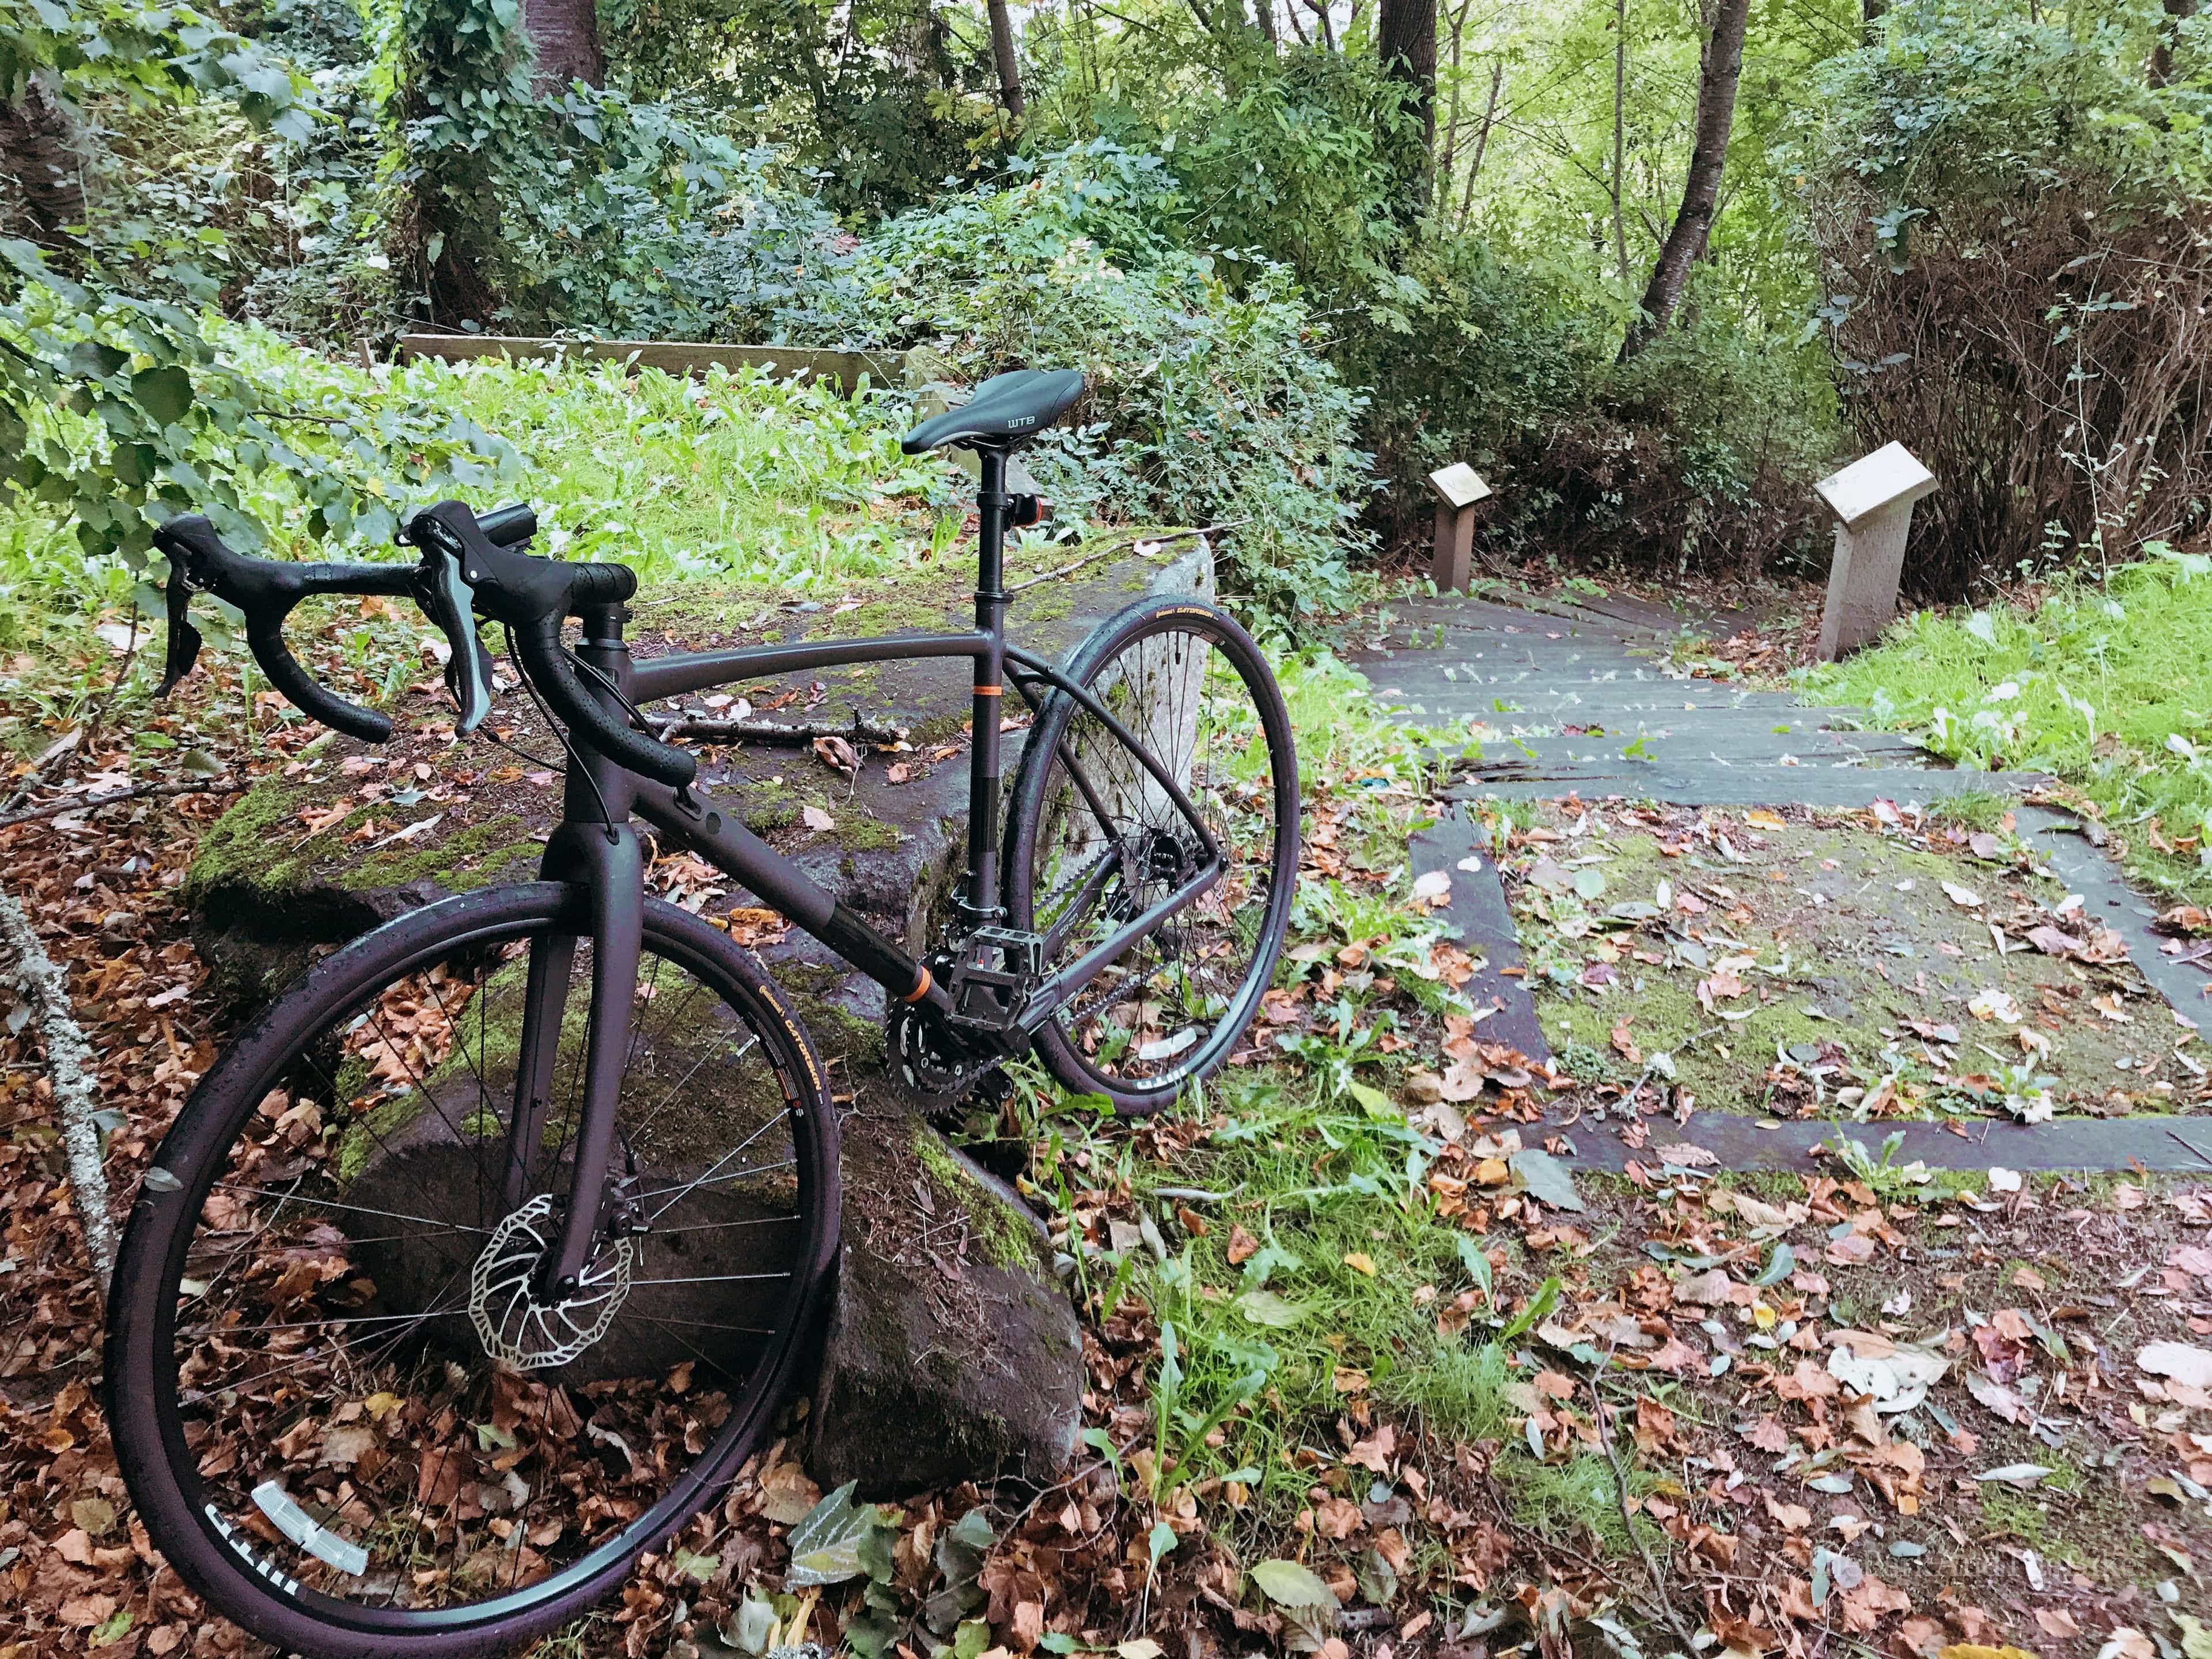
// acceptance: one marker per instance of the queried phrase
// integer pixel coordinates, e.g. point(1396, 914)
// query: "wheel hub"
point(514, 1325)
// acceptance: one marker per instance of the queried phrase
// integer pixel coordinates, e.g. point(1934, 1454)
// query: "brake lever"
point(444, 597)
point(184, 642)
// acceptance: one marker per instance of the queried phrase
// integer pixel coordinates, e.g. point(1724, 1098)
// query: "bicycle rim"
point(372, 1428)
point(1101, 840)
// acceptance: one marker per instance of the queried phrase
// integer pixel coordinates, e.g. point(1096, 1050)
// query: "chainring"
point(936, 1071)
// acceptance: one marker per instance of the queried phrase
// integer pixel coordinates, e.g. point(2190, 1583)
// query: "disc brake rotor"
point(517, 1328)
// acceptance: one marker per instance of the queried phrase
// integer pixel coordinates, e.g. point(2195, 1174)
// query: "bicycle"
point(410, 1350)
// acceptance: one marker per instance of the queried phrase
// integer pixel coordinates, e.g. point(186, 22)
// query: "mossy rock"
point(952, 1354)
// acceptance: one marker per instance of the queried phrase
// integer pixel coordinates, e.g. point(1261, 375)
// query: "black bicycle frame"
point(596, 847)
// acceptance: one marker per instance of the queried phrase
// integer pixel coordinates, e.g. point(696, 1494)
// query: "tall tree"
point(2177, 12)
point(564, 45)
point(1619, 133)
point(1003, 54)
point(1406, 43)
point(42, 168)
point(1719, 70)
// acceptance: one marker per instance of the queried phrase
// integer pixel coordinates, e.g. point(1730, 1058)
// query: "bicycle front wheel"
point(1097, 840)
point(346, 1414)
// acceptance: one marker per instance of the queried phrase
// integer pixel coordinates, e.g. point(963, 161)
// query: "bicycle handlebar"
point(468, 565)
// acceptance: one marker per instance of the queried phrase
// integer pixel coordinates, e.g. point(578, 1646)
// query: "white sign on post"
point(1872, 499)
point(1458, 488)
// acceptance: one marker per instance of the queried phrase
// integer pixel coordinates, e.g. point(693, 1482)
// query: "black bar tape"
point(539, 644)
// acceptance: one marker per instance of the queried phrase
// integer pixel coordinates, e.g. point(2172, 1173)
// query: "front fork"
point(597, 849)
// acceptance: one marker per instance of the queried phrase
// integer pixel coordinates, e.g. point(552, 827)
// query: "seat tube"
point(993, 504)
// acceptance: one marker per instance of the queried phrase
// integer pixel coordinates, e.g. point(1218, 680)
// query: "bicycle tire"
point(1165, 646)
point(247, 1579)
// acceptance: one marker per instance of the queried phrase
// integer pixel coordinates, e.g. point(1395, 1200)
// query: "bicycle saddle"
point(1005, 409)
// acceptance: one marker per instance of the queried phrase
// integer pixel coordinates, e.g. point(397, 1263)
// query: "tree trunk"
point(1481, 140)
point(39, 155)
point(1871, 13)
point(2161, 55)
point(564, 45)
point(1722, 68)
point(1009, 63)
point(1619, 134)
point(1263, 15)
point(1405, 42)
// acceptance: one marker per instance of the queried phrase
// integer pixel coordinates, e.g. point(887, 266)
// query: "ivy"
point(118, 410)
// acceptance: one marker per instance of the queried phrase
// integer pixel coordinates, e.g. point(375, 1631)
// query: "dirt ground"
point(1876, 964)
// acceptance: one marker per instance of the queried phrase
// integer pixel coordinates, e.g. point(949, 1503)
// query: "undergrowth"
point(2104, 684)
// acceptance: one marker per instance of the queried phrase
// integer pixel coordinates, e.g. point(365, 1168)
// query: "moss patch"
point(1003, 1239)
point(1816, 962)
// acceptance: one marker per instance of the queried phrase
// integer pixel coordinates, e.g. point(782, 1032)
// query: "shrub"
point(2019, 261)
point(1209, 406)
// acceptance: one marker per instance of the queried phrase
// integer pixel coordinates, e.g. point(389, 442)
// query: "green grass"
point(734, 479)
point(2108, 686)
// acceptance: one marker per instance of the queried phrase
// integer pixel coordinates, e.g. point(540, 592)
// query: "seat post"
point(981, 906)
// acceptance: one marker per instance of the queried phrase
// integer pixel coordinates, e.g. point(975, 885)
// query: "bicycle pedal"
point(991, 999)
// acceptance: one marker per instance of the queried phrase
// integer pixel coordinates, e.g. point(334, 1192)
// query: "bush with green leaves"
point(2017, 260)
point(1211, 405)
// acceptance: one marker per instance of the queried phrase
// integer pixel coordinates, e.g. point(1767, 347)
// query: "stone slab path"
point(1576, 698)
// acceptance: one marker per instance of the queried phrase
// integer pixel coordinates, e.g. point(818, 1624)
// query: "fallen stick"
point(62, 808)
point(1658, 1576)
point(72, 1065)
point(707, 731)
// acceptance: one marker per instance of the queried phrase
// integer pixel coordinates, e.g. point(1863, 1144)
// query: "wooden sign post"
point(1458, 488)
point(1871, 500)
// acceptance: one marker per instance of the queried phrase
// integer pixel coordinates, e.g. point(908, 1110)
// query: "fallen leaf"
point(1289, 1585)
point(1432, 887)
point(2181, 1361)
point(1266, 1308)
point(816, 819)
point(836, 754)
point(1545, 1178)
point(1965, 897)
point(2025, 1476)
point(1993, 1003)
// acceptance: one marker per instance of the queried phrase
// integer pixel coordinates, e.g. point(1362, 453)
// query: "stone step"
point(1839, 786)
point(2081, 1145)
point(1587, 754)
point(1477, 909)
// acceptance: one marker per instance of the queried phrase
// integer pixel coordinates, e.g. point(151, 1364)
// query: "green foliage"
point(1211, 405)
point(1966, 104)
point(887, 100)
point(2105, 685)
point(2017, 259)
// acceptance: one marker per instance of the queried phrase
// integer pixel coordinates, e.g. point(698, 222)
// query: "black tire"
point(1205, 703)
point(190, 1444)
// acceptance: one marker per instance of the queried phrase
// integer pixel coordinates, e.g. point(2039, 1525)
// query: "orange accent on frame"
point(919, 991)
point(990, 690)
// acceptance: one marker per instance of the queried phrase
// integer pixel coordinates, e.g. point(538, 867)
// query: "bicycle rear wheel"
point(1095, 839)
point(345, 1416)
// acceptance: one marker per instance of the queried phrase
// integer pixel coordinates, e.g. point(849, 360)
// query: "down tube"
point(744, 857)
